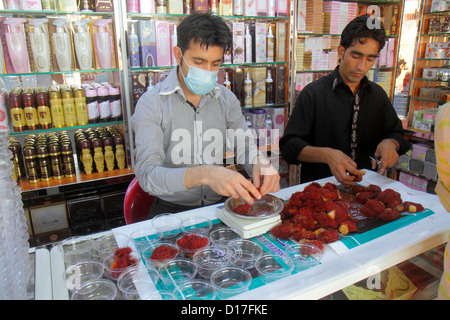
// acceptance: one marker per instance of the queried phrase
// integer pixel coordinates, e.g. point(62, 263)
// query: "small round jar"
point(188, 243)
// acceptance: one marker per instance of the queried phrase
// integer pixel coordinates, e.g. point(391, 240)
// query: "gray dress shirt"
point(171, 135)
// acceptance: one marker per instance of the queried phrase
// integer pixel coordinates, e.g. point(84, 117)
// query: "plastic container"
point(247, 252)
point(197, 224)
point(114, 273)
point(81, 272)
point(272, 268)
point(138, 283)
point(223, 236)
point(101, 289)
point(189, 243)
point(304, 255)
point(142, 240)
point(211, 259)
point(107, 244)
point(76, 249)
point(168, 225)
point(157, 262)
point(175, 272)
point(195, 290)
point(230, 281)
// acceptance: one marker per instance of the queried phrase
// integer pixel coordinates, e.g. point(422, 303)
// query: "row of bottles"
point(100, 150)
point(45, 156)
point(64, 106)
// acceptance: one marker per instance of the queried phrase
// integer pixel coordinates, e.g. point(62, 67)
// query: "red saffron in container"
point(192, 241)
point(123, 258)
point(163, 252)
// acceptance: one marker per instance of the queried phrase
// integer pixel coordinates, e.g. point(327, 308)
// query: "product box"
point(405, 178)
point(430, 170)
point(85, 212)
point(261, 8)
point(403, 162)
point(163, 54)
point(416, 165)
point(147, 42)
point(199, 5)
point(260, 42)
point(147, 7)
point(112, 207)
point(51, 237)
point(430, 73)
point(138, 87)
point(430, 156)
point(258, 76)
point(238, 42)
point(420, 184)
point(280, 85)
point(48, 214)
point(238, 84)
point(103, 5)
point(419, 151)
point(277, 115)
point(250, 8)
point(174, 6)
point(281, 45)
point(282, 8)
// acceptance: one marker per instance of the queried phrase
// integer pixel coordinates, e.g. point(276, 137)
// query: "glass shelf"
point(13, 133)
point(265, 106)
point(57, 72)
point(49, 13)
point(170, 15)
point(223, 65)
point(331, 70)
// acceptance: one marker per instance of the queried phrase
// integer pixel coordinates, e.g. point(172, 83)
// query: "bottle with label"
point(56, 162)
point(187, 7)
point(86, 156)
point(248, 91)
point(120, 151)
point(109, 153)
point(70, 115)
point(43, 108)
point(31, 164)
point(214, 6)
point(161, 6)
point(270, 41)
point(29, 108)
point(80, 106)
point(269, 88)
point(103, 104)
point(248, 45)
point(44, 163)
point(99, 158)
point(16, 110)
point(69, 162)
point(115, 103)
point(268, 128)
point(227, 82)
point(92, 105)
point(56, 108)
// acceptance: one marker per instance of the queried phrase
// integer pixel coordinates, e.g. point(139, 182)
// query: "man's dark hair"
point(360, 28)
point(203, 28)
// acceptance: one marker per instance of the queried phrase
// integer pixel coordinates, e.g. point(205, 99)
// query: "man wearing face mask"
point(343, 120)
point(183, 124)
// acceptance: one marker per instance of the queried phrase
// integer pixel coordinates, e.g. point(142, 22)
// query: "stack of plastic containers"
point(15, 268)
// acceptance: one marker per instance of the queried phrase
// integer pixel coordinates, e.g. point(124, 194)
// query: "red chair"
point(137, 203)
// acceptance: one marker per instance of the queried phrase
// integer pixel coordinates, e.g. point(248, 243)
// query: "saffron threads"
point(123, 258)
point(163, 252)
point(192, 241)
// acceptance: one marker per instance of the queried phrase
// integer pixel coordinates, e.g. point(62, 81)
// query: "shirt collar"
point(171, 85)
point(337, 80)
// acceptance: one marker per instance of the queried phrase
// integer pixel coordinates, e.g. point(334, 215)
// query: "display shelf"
point(59, 72)
point(78, 178)
point(49, 13)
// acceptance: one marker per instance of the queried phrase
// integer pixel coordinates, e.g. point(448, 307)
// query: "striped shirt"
point(172, 135)
point(442, 146)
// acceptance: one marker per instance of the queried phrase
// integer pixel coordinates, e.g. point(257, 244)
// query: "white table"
point(339, 268)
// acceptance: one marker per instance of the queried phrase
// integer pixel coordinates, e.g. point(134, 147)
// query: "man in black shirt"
point(343, 119)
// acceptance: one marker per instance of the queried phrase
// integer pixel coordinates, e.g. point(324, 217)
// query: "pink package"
point(163, 54)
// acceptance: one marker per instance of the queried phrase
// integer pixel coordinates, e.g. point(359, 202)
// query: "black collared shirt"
point(322, 117)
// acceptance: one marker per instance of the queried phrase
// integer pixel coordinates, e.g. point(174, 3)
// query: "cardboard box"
point(430, 170)
point(281, 45)
point(260, 41)
point(238, 42)
point(419, 151)
point(403, 162)
point(48, 214)
point(163, 54)
point(416, 165)
point(147, 42)
point(258, 76)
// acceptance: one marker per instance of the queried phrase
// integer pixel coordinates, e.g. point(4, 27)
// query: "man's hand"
point(263, 171)
point(343, 168)
point(387, 152)
point(225, 182)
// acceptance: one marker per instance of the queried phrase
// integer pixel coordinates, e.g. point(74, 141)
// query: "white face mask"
point(199, 81)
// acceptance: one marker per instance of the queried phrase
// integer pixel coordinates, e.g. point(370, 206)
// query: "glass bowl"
point(168, 225)
point(230, 281)
point(175, 272)
point(195, 290)
point(246, 252)
point(101, 289)
point(272, 268)
point(189, 243)
point(166, 252)
point(210, 259)
point(268, 206)
point(81, 272)
point(197, 224)
point(222, 236)
point(304, 255)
